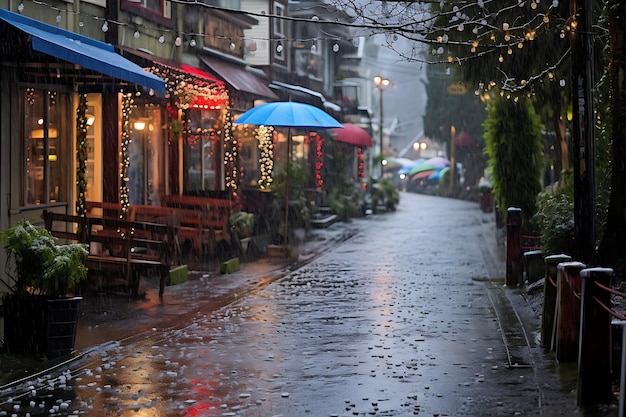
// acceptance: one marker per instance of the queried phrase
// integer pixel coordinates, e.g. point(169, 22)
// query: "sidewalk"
point(110, 318)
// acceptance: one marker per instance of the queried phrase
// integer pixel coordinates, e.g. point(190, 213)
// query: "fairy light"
point(319, 159)
point(128, 104)
point(266, 158)
point(360, 172)
point(81, 155)
point(231, 152)
point(189, 90)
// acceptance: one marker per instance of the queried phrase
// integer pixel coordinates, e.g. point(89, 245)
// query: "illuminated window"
point(47, 146)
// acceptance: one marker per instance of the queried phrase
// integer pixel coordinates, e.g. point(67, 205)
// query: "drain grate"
point(514, 336)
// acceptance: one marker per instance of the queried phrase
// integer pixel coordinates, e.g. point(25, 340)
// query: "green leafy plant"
point(383, 193)
point(36, 264)
point(555, 219)
point(242, 222)
point(514, 150)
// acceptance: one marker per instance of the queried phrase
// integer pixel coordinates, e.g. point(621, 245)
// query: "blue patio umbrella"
point(439, 174)
point(288, 114)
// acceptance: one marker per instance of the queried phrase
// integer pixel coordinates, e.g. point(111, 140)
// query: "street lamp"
point(380, 84)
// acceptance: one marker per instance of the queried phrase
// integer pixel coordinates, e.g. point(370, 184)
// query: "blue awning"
point(81, 50)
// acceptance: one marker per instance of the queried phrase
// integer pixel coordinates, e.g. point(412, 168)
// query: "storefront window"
point(47, 146)
point(94, 147)
point(202, 154)
point(249, 156)
point(146, 150)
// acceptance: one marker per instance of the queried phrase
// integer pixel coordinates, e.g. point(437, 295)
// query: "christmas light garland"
point(81, 155)
point(360, 169)
point(266, 159)
point(191, 90)
point(319, 159)
point(128, 104)
point(231, 153)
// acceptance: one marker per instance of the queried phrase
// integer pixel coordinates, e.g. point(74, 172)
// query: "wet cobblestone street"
point(400, 320)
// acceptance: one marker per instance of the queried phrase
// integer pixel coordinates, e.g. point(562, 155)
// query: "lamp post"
point(380, 84)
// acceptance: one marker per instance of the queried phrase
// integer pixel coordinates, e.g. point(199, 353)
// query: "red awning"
point(353, 135)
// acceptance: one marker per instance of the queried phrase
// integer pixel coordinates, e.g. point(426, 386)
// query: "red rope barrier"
point(608, 310)
point(551, 281)
point(611, 290)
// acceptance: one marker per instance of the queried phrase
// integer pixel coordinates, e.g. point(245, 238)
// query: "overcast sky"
point(407, 100)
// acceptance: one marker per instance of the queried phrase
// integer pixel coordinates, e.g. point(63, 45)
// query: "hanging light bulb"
point(58, 18)
point(279, 48)
point(336, 48)
point(20, 7)
point(162, 39)
point(105, 26)
point(313, 48)
point(178, 41)
point(192, 42)
point(232, 46)
point(136, 34)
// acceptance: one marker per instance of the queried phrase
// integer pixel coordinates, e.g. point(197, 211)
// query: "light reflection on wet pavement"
point(394, 322)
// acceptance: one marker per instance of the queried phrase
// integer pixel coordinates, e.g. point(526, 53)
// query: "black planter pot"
point(39, 325)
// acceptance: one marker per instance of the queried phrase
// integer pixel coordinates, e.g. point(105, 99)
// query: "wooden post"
point(568, 317)
point(594, 358)
point(549, 296)
point(514, 266)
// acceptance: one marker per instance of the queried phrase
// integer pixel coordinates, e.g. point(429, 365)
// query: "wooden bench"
point(120, 251)
point(103, 209)
point(203, 220)
point(160, 215)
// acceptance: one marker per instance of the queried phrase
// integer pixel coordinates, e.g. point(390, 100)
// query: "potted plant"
point(242, 223)
point(40, 273)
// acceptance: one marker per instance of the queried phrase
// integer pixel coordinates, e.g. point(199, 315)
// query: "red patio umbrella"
point(423, 174)
point(353, 134)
